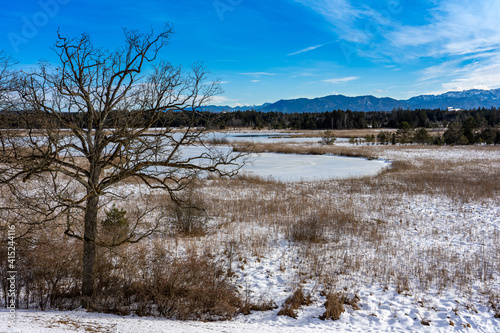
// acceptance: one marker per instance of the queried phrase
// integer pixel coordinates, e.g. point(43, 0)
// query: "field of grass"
point(422, 236)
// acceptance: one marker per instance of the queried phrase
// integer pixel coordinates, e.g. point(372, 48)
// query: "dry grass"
point(334, 306)
point(294, 302)
point(355, 225)
point(348, 133)
point(342, 233)
point(311, 229)
point(283, 148)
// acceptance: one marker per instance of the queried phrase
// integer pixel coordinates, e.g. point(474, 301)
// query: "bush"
point(293, 303)
point(334, 306)
point(115, 225)
point(370, 138)
point(311, 229)
point(115, 219)
point(190, 217)
point(384, 137)
point(196, 288)
point(422, 136)
point(51, 271)
point(328, 138)
point(192, 288)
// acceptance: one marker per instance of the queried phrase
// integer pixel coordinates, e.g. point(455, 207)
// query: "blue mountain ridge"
point(466, 99)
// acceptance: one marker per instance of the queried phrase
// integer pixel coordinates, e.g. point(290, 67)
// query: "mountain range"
point(467, 99)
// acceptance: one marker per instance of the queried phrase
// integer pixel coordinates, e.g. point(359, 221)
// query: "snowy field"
point(416, 261)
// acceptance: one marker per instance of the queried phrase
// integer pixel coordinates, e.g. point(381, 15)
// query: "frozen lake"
point(283, 167)
point(266, 137)
point(298, 167)
point(295, 167)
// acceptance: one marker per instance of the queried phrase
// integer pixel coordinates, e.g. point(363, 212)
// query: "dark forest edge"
point(474, 126)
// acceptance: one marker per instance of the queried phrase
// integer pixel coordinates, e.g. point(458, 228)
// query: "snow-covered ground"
point(381, 311)
point(417, 245)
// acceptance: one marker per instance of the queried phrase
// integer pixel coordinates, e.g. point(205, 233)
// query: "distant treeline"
point(354, 120)
point(466, 126)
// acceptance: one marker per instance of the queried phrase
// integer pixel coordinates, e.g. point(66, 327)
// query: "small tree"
point(404, 133)
point(422, 136)
point(384, 137)
point(88, 127)
point(455, 134)
point(328, 138)
point(370, 138)
point(115, 225)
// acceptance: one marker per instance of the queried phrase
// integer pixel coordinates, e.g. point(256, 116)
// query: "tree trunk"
point(89, 249)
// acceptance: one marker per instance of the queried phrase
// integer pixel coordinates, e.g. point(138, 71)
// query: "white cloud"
point(258, 74)
point(255, 81)
point(457, 75)
point(307, 49)
point(453, 28)
point(456, 28)
point(343, 16)
point(341, 80)
point(305, 74)
point(461, 38)
point(478, 75)
point(222, 100)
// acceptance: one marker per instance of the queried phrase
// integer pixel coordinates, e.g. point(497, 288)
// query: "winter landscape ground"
point(414, 248)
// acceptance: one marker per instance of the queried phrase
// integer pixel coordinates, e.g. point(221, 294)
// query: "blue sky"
point(263, 51)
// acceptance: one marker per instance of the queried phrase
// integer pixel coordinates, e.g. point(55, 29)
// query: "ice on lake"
point(297, 167)
point(267, 137)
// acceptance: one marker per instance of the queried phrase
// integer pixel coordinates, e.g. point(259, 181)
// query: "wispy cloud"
point(341, 80)
point(476, 75)
point(456, 28)
point(223, 100)
point(308, 49)
point(465, 37)
point(258, 74)
point(461, 37)
point(255, 81)
point(342, 15)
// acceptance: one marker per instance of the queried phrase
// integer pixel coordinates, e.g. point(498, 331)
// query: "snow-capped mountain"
point(467, 99)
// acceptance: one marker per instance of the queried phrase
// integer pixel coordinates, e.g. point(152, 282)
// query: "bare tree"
point(6, 63)
point(96, 120)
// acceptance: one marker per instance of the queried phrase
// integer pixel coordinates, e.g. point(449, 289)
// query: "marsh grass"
point(354, 226)
point(294, 302)
point(343, 233)
point(308, 149)
point(334, 306)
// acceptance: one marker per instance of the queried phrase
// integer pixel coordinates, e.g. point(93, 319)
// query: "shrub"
point(311, 229)
point(384, 137)
point(422, 136)
point(191, 288)
point(370, 138)
point(190, 217)
point(115, 225)
point(328, 138)
point(196, 288)
point(334, 306)
point(293, 303)
point(115, 218)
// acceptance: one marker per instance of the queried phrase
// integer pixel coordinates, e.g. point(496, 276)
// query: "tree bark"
point(89, 247)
